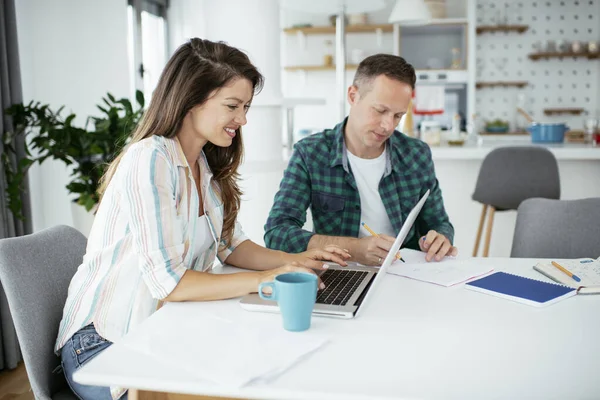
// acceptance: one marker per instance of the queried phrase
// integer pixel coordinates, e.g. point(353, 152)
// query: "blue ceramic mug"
point(296, 294)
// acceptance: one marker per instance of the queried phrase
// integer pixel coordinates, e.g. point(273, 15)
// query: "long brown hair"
point(197, 69)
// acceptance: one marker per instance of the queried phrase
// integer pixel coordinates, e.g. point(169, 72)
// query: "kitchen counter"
point(473, 151)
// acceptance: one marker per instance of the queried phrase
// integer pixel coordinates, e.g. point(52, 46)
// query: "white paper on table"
point(449, 271)
point(222, 351)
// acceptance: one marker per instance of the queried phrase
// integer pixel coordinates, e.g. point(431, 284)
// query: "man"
point(363, 171)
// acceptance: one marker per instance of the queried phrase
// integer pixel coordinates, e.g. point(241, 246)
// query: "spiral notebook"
point(520, 289)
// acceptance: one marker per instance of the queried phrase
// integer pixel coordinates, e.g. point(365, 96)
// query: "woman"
point(169, 207)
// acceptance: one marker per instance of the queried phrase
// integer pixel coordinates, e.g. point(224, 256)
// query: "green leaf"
point(96, 149)
point(127, 106)
point(69, 119)
point(77, 187)
point(139, 97)
point(111, 97)
point(25, 162)
point(89, 203)
point(104, 110)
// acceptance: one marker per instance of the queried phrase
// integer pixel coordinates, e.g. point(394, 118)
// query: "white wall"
point(186, 19)
point(72, 52)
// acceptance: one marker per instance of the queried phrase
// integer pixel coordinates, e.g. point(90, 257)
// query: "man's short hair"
point(394, 67)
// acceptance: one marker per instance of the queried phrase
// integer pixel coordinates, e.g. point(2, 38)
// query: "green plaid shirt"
point(319, 176)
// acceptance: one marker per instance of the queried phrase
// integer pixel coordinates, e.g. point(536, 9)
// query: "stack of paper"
point(447, 272)
point(222, 351)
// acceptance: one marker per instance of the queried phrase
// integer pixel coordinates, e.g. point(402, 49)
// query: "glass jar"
point(431, 133)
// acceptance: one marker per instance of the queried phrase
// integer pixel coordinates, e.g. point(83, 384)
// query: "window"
point(147, 43)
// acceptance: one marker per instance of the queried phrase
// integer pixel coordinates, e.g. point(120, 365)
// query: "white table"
point(413, 341)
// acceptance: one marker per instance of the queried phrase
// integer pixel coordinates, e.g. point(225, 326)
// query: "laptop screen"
point(391, 256)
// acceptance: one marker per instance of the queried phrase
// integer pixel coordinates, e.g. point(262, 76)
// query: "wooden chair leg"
point(147, 395)
point(488, 235)
point(479, 230)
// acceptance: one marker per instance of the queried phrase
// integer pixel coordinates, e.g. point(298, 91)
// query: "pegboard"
point(554, 82)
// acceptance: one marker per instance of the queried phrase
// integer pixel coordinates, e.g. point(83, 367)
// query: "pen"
point(376, 235)
point(566, 271)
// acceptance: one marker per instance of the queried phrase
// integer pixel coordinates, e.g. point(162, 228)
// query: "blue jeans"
point(84, 345)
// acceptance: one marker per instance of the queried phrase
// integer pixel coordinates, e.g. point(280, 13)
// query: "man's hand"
point(372, 250)
point(437, 246)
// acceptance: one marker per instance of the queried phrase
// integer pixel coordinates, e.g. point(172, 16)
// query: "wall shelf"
point(557, 111)
point(316, 67)
point(519, 84)
point(370, 28)
point(501, 28)
point(537, 56)
point(516, 133)
point(324, 30)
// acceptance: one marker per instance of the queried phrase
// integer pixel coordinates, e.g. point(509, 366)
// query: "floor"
point(14, 384)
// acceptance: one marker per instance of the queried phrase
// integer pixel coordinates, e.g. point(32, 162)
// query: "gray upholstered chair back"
point(509, 175)
point(35, 271)
point(557, 229)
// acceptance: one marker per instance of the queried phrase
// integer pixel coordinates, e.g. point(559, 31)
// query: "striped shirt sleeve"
point(238, 237)
point(157, 237)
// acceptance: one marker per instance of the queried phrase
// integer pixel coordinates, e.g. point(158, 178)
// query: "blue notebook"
point(523, 290)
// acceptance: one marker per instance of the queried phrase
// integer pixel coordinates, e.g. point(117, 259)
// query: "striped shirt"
point(143, 240)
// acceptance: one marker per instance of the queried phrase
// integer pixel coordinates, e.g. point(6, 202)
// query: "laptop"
point(347, 288)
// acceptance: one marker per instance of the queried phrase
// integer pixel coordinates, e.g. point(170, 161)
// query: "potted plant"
point(87, 150)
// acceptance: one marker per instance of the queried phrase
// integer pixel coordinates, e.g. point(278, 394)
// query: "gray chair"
point(35, 271)
point(510, 175)
point(557, 229)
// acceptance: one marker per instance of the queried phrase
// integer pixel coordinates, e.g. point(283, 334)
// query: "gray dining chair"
point(557, 229)
point(507, 177)
point(35, 271)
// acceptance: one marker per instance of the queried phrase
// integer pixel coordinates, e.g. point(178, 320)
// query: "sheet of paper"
point(447, 272)
point(222, 351)
point(587, 270)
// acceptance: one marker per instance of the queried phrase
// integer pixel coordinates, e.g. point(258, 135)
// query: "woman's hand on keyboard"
point(314, 258)
point(269, 275)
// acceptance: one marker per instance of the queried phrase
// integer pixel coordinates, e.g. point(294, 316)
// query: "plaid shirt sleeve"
point(433, 216)
point(283, 230)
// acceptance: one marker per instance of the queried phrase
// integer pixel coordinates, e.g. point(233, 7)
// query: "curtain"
point(10, 93)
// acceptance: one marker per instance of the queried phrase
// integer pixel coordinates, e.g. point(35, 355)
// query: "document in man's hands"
point(449, 271)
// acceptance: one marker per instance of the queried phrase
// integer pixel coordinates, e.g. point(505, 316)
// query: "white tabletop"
point(413, 341)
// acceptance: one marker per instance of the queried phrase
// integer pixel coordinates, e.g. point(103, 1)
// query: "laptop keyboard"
point(339, 286)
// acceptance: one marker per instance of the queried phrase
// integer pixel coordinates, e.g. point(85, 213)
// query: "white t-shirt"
point(205, 238)
point(368, 173)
